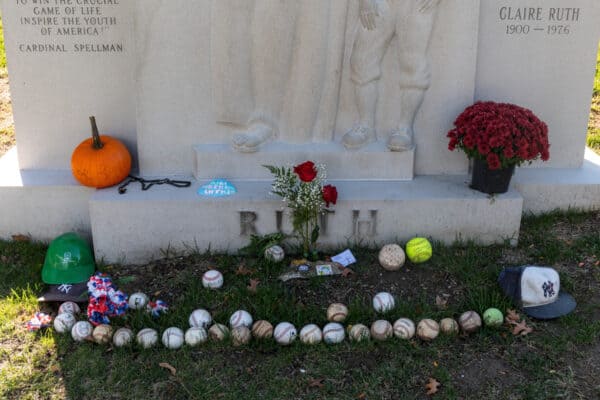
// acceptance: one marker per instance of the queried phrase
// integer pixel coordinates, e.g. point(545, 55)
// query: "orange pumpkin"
point(101, 160)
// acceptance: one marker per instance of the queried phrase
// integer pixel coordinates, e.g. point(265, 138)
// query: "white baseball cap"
point(537, 291)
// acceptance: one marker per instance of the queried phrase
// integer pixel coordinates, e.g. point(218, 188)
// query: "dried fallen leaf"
point(522, 329)
point(581, 264)
point(597, 263)
point(253, 285)
point(243, 270)
point(432, 386)
point(346, 272)
point(21, 238)
point(512, 317)
point(168, 366)
point(361, 396)
point(436, 364)
point(317, 382)
point(441, 302)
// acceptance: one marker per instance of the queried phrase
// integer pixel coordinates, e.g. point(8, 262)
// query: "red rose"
point(329, 194)
point(306, 171)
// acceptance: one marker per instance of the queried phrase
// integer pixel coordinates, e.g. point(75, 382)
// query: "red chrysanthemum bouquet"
point(302, 188)
point(500, 134)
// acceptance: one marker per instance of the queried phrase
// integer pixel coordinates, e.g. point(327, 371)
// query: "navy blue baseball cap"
point(537, 291)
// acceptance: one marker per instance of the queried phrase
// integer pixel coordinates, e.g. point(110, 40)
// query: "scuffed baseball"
point(147, 337)
point(122, 337)
point(337, 312)
point(359, 332)
point(69, 307)
point(427, 329)
point(102, 334)
point(311, 334)
point(173, 338)
point(200, 318)
point(138, 301)
point(285, 333)
point(212, 279)
point(274, 253)
point(392, 257)
point(240, 318)
point(262, 329)
point(383, 302)
point(469, 321)
point(381, 330)
point(218, 332)
point(404, 328)
point(81, 331)
point(195, 335)
point(240, 335)
point(449, 326)
point(333, 333)
point(64, 322)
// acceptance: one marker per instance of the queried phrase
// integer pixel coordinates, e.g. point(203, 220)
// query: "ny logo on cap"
point(65, 288)
point(548, 289)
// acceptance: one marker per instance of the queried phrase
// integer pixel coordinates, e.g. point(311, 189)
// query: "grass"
point(593, 137)
point(2, 51)
point(559, 360)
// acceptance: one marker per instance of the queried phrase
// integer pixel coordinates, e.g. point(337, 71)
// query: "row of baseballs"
point(284, 333)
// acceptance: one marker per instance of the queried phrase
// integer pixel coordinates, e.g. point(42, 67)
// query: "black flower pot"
point(490, 180)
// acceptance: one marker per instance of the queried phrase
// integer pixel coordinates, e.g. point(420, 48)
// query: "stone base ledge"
point(41, 203)
point(374, 162)
point(548, 189)
point(138, 226)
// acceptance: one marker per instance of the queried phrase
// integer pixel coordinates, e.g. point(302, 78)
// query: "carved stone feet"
point(358, 136)
point(400, 139)
point(249, 141)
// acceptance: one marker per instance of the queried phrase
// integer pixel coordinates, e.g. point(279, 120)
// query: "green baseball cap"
point(68, 260)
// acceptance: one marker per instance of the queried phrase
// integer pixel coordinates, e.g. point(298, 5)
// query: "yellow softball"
point(418, 250)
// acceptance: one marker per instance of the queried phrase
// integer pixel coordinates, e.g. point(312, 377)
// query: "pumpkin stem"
point(96, 143)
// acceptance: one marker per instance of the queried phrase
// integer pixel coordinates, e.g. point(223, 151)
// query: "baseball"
point(404, 328)
point(240, 318)
point(427, 329)
point(469, 321)
point(493, 317)
point(69, 307)
point(240, 335)
point(391, 257)
point(64, 322)
point(359, 332)
point(122, 337)
point(262, 329)
point(147, 337)
point(418, 250)
point(81, 331)
point(200, 318)
point(337, 312)
point(274, 253)
point(195, 335)
point(137, 301)
point(381, 330)
point(285, 333)
point(311, 334)
point(333, 333)
point(102, 334)
point(218, 332)
point(383, 302)
point(212, 279)
point(449, 326)
point(172, 338)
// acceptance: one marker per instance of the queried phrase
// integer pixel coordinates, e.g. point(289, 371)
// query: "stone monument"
point(217, 88)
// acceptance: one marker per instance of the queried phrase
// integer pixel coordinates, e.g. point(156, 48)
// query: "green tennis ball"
point(418, 250)
point(493, 317)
